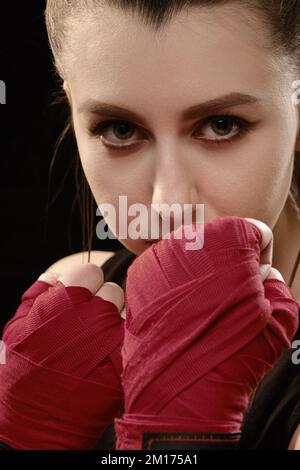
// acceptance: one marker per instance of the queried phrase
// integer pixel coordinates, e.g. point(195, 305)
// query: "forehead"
point(113, 54)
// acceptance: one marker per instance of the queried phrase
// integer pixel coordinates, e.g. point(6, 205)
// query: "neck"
point(286, 247)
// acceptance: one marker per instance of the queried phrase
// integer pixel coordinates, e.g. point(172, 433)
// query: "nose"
point(175, 185)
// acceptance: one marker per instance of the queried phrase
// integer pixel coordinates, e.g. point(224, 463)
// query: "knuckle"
point(84, 275)
point(112, 292)
point(49, 277)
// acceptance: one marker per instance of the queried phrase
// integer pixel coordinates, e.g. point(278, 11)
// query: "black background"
point(32, 237)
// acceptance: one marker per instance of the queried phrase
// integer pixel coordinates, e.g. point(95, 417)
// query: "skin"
point(114, 58)
point(171, 71)
point(90, 277)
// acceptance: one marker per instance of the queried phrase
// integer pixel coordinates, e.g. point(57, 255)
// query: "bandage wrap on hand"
point(201, 331)
point(60, 387)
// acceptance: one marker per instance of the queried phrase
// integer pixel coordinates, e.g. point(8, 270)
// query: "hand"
point(202, 329)
point(60, 387)
point(266, 251)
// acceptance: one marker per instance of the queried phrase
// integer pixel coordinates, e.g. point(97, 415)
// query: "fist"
point(60, 387)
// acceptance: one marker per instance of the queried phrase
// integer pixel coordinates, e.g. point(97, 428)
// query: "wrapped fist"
point(60, 387)
point(203, 327)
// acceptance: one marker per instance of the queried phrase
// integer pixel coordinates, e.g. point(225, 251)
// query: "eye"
point(222, 129)
point(115, 134)
point(119, 135)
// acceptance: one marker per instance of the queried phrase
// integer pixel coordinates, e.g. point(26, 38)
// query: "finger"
point(264, 271)
point(49, 277)
point(275, 274)
point(112, 293)
point(266, 249)
point(89, 276)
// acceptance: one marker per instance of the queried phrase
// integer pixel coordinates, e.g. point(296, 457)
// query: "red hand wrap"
point(60, 387)
point(201, 332)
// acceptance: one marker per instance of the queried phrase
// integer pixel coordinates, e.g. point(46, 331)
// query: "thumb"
point(275, 274)
point(264, 271)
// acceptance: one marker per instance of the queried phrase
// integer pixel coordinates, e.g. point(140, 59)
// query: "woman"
point(150, 92)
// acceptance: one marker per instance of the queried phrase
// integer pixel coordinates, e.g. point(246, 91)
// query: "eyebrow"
point(226, 101)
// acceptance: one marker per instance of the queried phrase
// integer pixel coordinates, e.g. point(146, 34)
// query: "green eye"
point(121, 130)
point(222, 129)
point(211, 130)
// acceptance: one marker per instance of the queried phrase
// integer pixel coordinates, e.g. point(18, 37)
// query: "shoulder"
point(295, 441)
point(97, 257)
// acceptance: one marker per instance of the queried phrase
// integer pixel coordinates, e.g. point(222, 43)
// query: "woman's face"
point(175, 86)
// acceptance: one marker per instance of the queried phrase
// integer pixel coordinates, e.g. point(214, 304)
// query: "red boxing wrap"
point(60, 387)
point(201, 331)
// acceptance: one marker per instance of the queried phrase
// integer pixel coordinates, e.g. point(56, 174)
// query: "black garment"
point(5, 446)
point(274, 413)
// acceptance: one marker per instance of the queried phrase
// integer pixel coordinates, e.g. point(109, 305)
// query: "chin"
point(138, 246)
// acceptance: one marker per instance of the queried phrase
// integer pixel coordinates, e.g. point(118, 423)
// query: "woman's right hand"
point(60, 387)
point(202, 330)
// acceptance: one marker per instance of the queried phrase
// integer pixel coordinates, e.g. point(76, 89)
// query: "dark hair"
point(282, 20)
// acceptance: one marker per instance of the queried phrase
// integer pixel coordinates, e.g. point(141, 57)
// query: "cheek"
point(110, 177)
point(273, 176)
point(253, 181)
point(101, 172)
